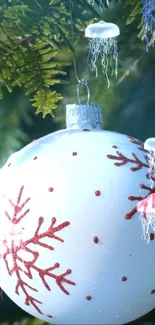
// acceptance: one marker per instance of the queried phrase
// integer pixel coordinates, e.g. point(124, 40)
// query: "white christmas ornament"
point(103, 44)
point(71, 247)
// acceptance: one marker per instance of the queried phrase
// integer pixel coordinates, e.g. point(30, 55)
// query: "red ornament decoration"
point(37, 239)
point(88, 298)
point(96, 240)
point(51, 189)
point(97, 193)
point(124, 278)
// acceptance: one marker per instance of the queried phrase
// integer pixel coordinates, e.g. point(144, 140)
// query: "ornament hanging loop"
point(83, 82)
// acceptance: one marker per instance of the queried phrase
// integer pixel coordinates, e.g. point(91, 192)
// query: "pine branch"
point(27, 321)
point(135, 8)
point(28, 59)
point(14, 110)
point(32, 34)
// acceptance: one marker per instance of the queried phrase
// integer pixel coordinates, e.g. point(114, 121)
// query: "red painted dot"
point(88, 297)
point(124, 278)
point(9, 164)
point(151, 236)
point(96, 240)
point(35, 158)
point(74, 153)
point(57, 265)
point(51, 189)
point(86, 130)
point(153, 292)
point(97, 193)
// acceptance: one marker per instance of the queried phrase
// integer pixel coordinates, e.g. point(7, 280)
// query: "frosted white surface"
point(102, 30)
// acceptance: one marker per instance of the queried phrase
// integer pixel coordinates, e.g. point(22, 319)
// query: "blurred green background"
point(128, 105)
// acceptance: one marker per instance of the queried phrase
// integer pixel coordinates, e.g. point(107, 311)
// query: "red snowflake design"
point(18, 208)
point(138, 164)
point(29, 266)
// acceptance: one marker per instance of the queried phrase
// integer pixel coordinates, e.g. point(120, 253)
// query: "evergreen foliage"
point(27, 321)
point(33, 33)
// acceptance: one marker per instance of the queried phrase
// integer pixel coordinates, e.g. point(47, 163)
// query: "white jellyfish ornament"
point(150, 146)
point(146, 206)
point(103, 44)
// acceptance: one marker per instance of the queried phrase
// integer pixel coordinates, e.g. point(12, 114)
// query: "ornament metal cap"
point(84, 116)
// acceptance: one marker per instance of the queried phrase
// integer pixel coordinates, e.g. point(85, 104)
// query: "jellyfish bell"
point(149, 144)
point(102, 30)
point(103, 44)
point(147, 204)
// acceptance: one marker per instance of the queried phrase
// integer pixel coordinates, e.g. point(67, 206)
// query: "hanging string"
point(73, 43)
point(80, 81)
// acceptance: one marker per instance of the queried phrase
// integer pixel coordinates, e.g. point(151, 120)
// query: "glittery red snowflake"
point(138, 164)
point(19, 212)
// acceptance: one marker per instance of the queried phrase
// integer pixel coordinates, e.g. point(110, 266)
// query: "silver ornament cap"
point(84, 116)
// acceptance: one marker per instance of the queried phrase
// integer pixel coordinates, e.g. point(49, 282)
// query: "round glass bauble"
point(71, 237)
